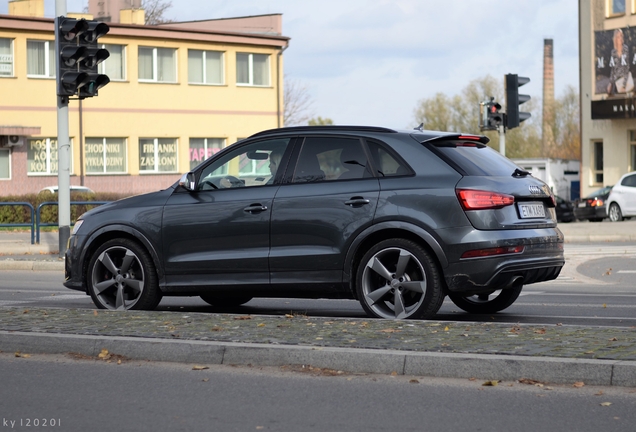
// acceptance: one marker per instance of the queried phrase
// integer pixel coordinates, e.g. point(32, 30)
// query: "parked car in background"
point(395, 219)
point(54, 189)
point(564, 210)
point(594, 206)
point(621, 203)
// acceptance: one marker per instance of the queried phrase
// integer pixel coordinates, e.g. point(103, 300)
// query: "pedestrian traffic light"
point(514, 99)
point(78, 55)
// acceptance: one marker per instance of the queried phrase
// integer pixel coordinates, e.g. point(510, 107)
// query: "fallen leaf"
point(613, 339)
point(605, 403)
point(389, 331)
point(289, 316)
point(414, 381)
point(205, 379)
point(540, 331)
point(446, 328)
point(528, 381)
point(318, 338)
point(261, 325)
point(491, 383)
point(600, 393)
point(604, 305)
point(94, 313)
point(394, 373)
point(196, 367)
point(578, 384)
point(243, 317)
point(103, 354)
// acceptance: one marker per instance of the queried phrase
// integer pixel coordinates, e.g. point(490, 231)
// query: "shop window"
point(203, 148)
point(105, 156)
point(42, 156)
point(5, 164)
point(157, 155)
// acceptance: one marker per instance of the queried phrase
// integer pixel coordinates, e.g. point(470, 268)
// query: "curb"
point(352, 360)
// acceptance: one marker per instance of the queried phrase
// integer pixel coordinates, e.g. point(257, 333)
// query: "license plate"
point(531, 210)
point(582, 204)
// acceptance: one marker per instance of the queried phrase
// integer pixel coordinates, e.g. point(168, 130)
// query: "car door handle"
point(255, 208)
point(357, 202)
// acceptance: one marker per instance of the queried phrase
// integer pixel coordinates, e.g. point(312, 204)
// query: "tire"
point(225, 300)
point(122, 276)
point(398, 279)
point(615, 214)
point(487, 303)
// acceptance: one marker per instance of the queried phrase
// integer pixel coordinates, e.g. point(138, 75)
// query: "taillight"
point(595, 202)
point(482, 200)
point(480, 253)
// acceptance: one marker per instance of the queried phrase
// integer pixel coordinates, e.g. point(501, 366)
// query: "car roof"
point(419, 134)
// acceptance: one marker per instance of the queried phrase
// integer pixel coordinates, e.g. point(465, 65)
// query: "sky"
point(369, 62)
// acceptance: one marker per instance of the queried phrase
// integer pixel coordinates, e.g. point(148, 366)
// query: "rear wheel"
point(122, 276)
point(221, 300)
point(487, 303)
point(615, 214)
point(398, 279)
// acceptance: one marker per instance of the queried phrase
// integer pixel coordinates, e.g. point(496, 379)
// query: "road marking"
point(626, 271)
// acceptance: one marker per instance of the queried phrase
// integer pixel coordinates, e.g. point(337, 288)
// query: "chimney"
point(30, 8)
point(547, 135)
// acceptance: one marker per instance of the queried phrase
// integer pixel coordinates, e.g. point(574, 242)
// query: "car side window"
point(387, 163)
point(331, 158)
point(250, 165)
point(629, 181)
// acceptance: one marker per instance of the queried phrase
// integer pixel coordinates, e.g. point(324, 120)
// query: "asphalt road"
point(592, 290)
point(76, 394)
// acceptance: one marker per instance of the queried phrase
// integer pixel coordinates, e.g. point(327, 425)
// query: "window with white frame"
point(205, 67)
point(6, 57)
point(42, 156)
point(5, 164)
point(157, 155)
point(252, 69)
point(40, 59)
point(105, 155)
point(157, 64)
point(615, 8)
point(203, 148)
point(115, 65)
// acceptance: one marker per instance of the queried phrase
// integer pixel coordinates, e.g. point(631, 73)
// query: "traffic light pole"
point(502, 140)
point(63, 154)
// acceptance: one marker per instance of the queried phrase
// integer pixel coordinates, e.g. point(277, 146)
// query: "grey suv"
point(395, 219)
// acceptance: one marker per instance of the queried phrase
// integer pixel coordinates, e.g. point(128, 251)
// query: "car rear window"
point(474, 159)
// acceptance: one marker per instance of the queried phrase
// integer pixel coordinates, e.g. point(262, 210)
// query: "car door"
point(328, 197)
point(628, 195)
point(218, 234)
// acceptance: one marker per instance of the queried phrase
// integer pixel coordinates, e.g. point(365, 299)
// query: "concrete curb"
point(443, 365)
point(13, 264)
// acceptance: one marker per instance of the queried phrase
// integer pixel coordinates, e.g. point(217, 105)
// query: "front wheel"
point(615, 214)
point(493, 302)
point(122, 276)
point(398, 279)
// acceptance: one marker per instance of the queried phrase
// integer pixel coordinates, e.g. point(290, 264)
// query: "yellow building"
point(178, 93)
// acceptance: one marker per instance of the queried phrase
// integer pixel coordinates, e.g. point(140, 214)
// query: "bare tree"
point(298, 103)
point(155, 10)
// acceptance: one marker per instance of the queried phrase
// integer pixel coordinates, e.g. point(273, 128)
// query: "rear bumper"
point(541, 260)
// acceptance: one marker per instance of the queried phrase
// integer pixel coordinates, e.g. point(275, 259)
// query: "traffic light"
point(78, 56)
point(514, 99)
point(489, 116)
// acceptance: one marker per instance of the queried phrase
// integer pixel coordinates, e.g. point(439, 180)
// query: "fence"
point(36, 223)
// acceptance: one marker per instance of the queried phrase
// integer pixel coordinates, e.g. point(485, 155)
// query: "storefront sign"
point(614, 109)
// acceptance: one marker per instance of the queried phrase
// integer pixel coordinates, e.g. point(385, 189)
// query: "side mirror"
point(188, 182)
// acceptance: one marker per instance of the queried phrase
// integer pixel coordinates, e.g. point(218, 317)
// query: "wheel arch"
point(102, 235)
point(387, 230)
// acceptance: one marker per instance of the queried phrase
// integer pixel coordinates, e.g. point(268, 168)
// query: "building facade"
point(177, 94)
point(607, 45)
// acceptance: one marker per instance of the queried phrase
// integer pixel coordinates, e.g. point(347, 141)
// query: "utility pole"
point(63, 155)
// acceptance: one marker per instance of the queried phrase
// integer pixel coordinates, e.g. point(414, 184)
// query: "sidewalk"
point(491, 351)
